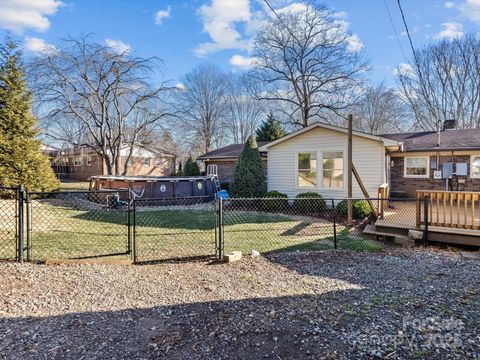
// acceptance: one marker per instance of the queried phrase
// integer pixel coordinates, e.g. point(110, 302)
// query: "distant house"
point(79, 163)
point(226, 159)
point(315, 159)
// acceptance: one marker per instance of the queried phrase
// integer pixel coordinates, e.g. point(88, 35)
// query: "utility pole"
point(350, 170)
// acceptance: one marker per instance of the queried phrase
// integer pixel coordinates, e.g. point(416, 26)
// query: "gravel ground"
point(330, 305)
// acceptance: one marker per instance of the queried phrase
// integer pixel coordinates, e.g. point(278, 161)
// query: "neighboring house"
point(80, 163)
point(226, 159)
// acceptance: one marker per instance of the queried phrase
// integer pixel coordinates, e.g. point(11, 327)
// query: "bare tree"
point(308, 62)
point(380, 111)
point(243, 112)
point(202, 106)
point(443, 82)
point(91, 96)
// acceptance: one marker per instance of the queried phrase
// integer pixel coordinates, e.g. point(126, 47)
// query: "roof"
point(465, 139)
point(226, 152)
point(388, 142)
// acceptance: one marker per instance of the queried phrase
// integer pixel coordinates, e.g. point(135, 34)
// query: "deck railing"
point(453, 209)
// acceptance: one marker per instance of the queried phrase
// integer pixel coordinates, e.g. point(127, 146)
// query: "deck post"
point(426, 220)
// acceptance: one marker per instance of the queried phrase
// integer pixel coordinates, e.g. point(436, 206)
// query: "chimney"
point(449, 124)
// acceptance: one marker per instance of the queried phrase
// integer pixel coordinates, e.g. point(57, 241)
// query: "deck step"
point(400, 239)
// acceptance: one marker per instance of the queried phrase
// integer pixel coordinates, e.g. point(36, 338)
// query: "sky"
point(185, 34)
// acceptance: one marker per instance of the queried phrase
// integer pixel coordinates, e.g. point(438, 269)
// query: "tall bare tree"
point(243, 112)
point(443, 82)
point(308, 62)
point(91, 96)
point(380, 111)
point(202, 106)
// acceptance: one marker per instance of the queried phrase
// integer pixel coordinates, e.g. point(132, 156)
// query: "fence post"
point(28, 216)
point(334, 225)
point(20, 214)
point(129, 225)
point(220, 228)
point(134, 252)
point(426, 220)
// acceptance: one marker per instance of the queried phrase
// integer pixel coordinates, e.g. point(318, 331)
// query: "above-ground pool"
point(154, 187)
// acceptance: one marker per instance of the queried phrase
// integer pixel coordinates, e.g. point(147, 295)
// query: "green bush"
point(309, 202)
point(249, 179)
point(225, 186)
point(191, 168)
point(360, 209)
point(278, 202)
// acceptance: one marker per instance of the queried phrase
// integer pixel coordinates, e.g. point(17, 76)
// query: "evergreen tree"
point(191, 168)
point(249, 179)
point(21, 160)
point(270, 129)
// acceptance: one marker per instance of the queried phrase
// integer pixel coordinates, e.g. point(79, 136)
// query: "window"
point(475, 166)
point(88, 161)
point(332, 169)
point(77, 161)
point(64, 162)
point(417, 167)
point(146, 161)
point(307, 170)
point(158, 162)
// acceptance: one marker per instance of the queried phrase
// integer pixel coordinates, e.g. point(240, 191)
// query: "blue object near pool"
point(223, 194)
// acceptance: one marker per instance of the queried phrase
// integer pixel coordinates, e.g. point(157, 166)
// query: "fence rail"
point(37, 226)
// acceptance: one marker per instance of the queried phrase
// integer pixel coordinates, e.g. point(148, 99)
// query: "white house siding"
point(368, 158)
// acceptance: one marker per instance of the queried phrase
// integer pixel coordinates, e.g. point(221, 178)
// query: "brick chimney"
point(449, 124)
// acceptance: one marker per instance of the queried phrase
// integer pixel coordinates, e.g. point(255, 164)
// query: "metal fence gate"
point(10, 223)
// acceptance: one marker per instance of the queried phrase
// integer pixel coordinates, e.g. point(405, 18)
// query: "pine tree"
point(21, 160)
point(191, 168)
point(270, 129)
point(249, 179)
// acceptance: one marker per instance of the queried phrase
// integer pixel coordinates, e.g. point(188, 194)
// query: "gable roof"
point(453, 139)
point(226, 152)
point(387, 141)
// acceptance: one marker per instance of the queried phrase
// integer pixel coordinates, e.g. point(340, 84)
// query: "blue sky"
point(188, 33)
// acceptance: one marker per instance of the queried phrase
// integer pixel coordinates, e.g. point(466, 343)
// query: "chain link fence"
point(84, 224)
point(174, 229)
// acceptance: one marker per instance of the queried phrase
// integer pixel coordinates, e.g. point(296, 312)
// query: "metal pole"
point(129, 225)
point(217, 246)
point(334, 225)
point(220, 229)
point(134, 232)
point(426, 220)
point(21, 190)
point(29, 227)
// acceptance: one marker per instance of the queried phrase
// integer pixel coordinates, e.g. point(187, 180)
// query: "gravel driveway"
point(332, 305)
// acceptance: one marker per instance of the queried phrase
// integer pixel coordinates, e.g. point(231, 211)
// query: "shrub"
point(249, 179)
point(191, 168)
point(278, 202)
point(309, 202)
point(225, 186)
point(360, 209)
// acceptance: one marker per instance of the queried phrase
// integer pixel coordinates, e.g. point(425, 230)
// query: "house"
point(79, 163)
point(226, 159)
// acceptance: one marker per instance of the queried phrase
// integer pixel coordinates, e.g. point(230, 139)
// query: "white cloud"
point(404, 70)
point(449, 5)
point(180, 86)
point(162, 15)
point(354, 43)
point(451, 30)
point(470, 9)
point(20, 15)
point(242, 61)
point(39, 46)
point(220, 20)
point(117, 45)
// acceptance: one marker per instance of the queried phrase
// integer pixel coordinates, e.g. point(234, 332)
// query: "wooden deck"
point(401, 216)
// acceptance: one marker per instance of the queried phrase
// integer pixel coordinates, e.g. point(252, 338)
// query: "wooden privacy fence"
point(453, 209)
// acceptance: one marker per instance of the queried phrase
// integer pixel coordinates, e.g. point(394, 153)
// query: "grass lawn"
point(58, 231)
point(73, 185)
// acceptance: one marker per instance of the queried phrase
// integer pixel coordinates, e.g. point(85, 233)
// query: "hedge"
point(314, 203)
point(360, 209)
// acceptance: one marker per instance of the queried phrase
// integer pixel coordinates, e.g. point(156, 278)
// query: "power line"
point(281, 20)
point(395, 31)
point(407, 31)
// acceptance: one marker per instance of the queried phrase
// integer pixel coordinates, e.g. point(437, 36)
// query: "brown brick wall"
point(226, 169)
point(410, 185)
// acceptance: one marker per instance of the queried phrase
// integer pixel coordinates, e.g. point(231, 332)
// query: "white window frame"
point(472, 175)
point(427, 176)
point(158, 162)
point(297, 186)
point(145, 161)
point(77, 161)
point(88, 161)
point(320, 183)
